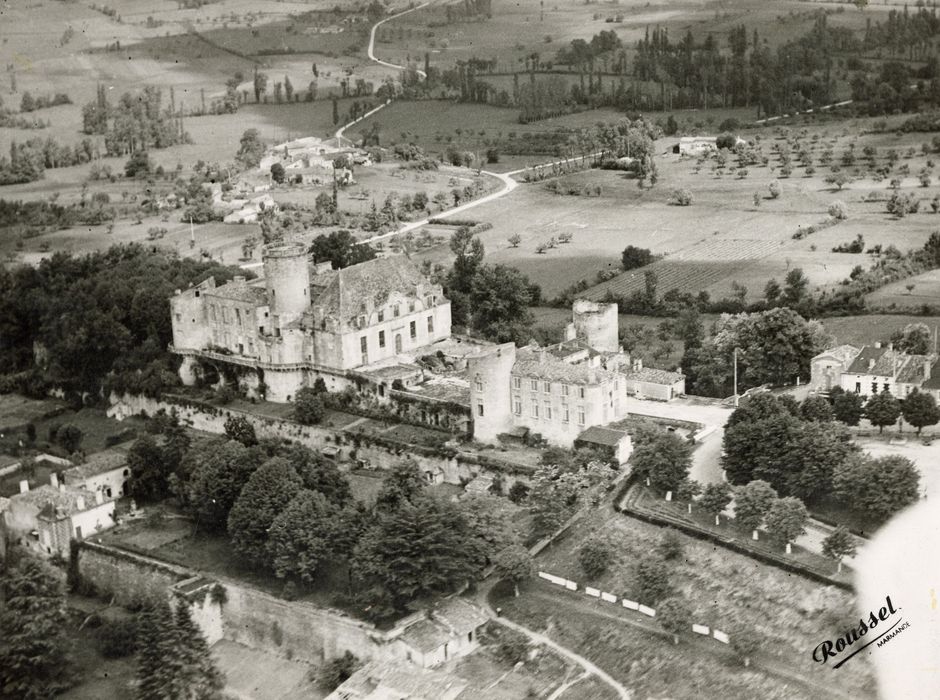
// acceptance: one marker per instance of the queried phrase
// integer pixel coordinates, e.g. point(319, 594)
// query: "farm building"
point(45, 519)
point(649, 383)
point(873, 369)
point(698, 145)
point(447, 631)
point(105, 472)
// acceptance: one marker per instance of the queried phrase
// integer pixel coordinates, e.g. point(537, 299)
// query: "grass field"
point(723, 591)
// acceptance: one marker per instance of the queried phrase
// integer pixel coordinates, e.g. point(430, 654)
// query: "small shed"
point(481, 484)
point(614, 443)
point(448, 631)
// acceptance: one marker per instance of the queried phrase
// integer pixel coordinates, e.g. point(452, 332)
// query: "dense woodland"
point(72, 321)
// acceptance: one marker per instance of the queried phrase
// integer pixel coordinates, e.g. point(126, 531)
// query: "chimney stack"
point(99, 497)
point(24, 486)
point(926, 368)
point(871, 364)
point(878, 345)
point(54, 480)
point(80, 502)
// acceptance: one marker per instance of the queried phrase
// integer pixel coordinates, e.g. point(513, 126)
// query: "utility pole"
point(192, 233)
point(735, 377)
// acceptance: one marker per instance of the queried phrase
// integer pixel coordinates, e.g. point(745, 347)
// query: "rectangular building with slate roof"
point(873, 369)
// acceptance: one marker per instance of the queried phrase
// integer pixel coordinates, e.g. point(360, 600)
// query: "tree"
point(301, 536)
point(633, 257)
point(278, 173)
point(920, 409)
point(33, 631)
point(340, 248)
point(266, 493)
point(173, 659)
point(848, 407)
point(202, 679)
point(500, 297)
point(665, 460)
point(675, 616)
point(70, 437)
point(652, 579)
point(239, 428)
point(218, 470)
point(553, 498)
point(415, 550)
point(402, 483)
point(319, 474)
point(308, 406)
point(514, 564)
point(150, 469)
point(250, 149)
point(687, 490)
point(914, 339)
point(786, 520)
point(260, 85)
point(880, 486)
point(138, 165)
point(752, 502)
point(816, 408)
point(774, 188)
point(514, 240)
point(682, 197)
point(882, 409)
point(839, 544)
point(715, 498)
point(594, 557)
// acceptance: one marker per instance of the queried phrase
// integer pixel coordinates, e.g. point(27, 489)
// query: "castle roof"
point(240, 290)
point(541, 364)
point(367, 285)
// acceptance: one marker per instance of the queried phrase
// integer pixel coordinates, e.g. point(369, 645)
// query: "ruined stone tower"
point(287, 279)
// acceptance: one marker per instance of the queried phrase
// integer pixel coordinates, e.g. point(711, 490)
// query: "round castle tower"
point(287, 279)
point(597, 324)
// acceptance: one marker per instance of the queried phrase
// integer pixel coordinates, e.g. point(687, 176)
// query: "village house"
point(873, 369)
point(46, 518)
point(105, 472)
point(446, 631)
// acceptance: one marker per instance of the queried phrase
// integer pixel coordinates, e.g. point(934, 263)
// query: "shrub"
point(594, 557)
point(512, 648)
point(518, 492)
point(838, 210)
point(774, 188)
point(670, 545)
point(683, 197)
point(652, 578)
point(337, 671)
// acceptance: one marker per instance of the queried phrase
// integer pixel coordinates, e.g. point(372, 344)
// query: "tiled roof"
point(913, 370)
point(567, 348)
point(651, 375)
point(455, 389)
point(368, 284)
point(843, 353)
point(241, 291)
point(541, 364)
point(886, 361)
point(98, 464)
point(451, 618)
point(395, 679)
point(602, 436)
point(47, 499)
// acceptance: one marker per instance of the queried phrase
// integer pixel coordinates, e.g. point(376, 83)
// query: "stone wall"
point(292, 629)
point(129, 577)
point(380, 452)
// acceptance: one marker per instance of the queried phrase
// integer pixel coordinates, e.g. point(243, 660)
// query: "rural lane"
point(567, 653)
